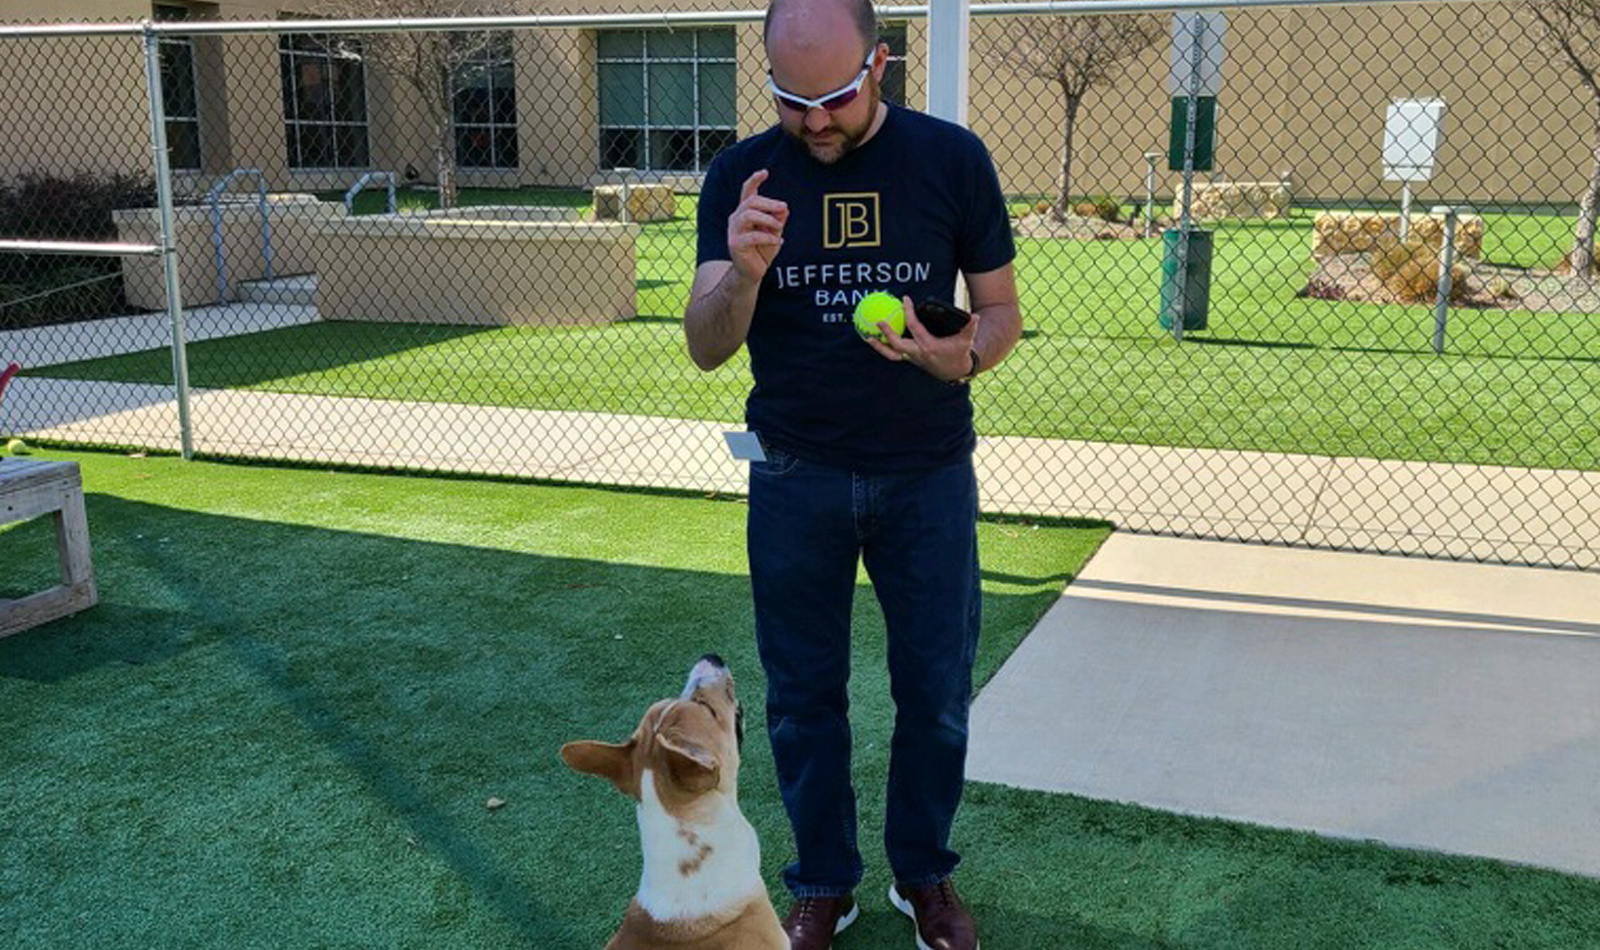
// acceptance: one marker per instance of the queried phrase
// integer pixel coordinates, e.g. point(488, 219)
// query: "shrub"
point(46, 207)
point(1410, 271)
point(1321, 288)
point(1106, 208)
point(37, 289)
point(413, 204)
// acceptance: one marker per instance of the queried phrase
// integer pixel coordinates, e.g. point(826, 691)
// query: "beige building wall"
point(1304, 94)
point(73, 105)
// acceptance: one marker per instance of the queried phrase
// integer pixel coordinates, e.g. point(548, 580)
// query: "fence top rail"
point(627, 20)
point(79, 248)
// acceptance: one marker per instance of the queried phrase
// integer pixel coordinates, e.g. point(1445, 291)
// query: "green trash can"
point(1194, 315)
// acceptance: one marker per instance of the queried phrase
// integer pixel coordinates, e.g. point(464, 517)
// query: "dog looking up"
point(701, 887)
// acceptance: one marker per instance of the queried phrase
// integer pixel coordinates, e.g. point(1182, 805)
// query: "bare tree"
point(1077, 53)
point(1568, 31)
point(431, 62)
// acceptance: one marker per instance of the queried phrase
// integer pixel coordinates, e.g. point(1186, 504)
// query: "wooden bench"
point(29, 489)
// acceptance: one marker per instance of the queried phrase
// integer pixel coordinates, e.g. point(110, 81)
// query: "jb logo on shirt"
point(850, 220)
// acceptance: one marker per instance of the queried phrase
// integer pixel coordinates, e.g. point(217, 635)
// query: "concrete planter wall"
point(435, 268)
point(293, 218)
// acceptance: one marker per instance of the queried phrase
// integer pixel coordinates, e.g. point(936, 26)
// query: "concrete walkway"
point(1479, 512)
point(1445, 706)
point(91, 339)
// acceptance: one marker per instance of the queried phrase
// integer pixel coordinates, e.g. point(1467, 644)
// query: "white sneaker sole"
point(904, 907)
point(847, 919)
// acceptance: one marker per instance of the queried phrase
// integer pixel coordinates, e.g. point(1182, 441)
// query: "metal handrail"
point(361, 183)
point(214, 197)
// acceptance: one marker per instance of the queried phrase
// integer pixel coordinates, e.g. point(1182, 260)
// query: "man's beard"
point(842, 141)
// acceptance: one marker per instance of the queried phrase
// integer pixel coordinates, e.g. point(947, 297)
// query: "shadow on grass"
point(1464, 350)
point(1257, 344)
point(266, 716)
point(388, 687)
point(275, 735)
point(1001, 577)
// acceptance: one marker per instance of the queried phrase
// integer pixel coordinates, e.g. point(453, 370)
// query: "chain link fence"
point(470, 250)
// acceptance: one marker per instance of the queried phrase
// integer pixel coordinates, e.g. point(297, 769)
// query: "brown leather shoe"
point(813, 921)
point(943, 922)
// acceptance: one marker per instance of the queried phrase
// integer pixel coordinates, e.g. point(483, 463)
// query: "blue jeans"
point(808, 526)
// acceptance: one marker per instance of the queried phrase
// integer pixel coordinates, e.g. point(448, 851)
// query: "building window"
point(485, 101)
point(666, 98)
point(324, 101)
point(894, 71)
point(179, 92)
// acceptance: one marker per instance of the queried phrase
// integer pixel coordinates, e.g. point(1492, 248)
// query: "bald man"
point(867, 443)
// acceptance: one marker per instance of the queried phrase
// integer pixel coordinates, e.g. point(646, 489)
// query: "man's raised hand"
point(755, 229)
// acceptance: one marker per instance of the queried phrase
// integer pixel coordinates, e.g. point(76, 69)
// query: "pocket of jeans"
point(777, 465)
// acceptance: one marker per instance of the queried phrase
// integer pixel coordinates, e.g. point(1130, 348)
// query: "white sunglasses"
point(831, 101)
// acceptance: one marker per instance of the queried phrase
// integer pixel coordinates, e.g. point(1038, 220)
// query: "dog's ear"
point(610, 761)
point(693, 767)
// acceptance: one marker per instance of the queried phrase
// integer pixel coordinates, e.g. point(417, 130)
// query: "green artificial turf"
point(282, 724)
point(1272, 372)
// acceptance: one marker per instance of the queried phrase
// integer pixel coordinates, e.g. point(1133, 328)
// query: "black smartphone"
point(942, 319)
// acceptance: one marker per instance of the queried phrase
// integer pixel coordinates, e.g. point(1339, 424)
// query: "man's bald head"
point(816, 15)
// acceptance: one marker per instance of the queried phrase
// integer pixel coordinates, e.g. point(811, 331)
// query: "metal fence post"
point(169, 251)
point(1150, 191)
point(1197, 29)
point(1447, 257)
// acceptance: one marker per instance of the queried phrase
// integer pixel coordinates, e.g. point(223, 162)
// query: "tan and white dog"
point(701, 888)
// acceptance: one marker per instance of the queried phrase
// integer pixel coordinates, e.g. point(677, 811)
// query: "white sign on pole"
point(1411, 139)
point(1213, 27)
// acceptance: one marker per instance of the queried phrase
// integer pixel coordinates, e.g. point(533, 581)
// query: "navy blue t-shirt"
point(903, 212)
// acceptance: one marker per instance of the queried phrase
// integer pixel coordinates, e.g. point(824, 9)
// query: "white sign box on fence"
point(1411, 139)
point(1213, 27)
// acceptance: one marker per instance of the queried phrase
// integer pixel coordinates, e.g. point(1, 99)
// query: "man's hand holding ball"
point(947, 358)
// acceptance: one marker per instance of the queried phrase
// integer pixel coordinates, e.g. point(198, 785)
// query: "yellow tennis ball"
point(880, 307)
